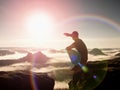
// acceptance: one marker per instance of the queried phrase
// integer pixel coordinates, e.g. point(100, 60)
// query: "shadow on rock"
point(22, 80)
point(102, 75)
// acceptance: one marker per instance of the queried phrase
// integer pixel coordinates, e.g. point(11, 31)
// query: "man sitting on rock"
point(80, 47)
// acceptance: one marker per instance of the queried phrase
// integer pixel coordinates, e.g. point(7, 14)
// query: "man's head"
point(74, 34)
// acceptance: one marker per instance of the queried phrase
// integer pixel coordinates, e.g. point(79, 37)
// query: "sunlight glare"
point(39, 25)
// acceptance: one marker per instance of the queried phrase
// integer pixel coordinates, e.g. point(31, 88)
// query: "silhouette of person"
point(80, 46)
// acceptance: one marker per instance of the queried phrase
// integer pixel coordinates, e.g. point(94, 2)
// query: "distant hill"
point(37, 58)
point(118, 54)
point(6, 52)
point(96, 51)
point(56, 51)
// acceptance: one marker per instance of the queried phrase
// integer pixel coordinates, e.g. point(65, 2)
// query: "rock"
point(102, 75)
point(37, 59)
point(96, 51)
point(28, 57)
point(25, 81)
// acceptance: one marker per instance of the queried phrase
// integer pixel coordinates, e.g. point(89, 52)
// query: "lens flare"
point(94, 74)
point(75, 58)
point(84, 68)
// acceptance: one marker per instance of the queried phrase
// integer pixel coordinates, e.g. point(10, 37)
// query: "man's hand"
point(67, 34)
point(68, 48)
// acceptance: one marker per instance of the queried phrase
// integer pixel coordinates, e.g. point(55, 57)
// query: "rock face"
point(102, 75)
point(25, 81)
point(96, 51)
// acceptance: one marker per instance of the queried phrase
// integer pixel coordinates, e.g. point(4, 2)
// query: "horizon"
point(41, 48)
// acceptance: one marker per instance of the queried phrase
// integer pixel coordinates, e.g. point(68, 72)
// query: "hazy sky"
point(97, 21)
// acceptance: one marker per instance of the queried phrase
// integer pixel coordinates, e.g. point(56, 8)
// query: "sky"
point(22, 25)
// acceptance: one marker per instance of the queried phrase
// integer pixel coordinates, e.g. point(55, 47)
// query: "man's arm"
point(70, 47)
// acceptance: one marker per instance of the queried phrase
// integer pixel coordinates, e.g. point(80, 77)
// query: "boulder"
point(24, 80)
point(102, 75)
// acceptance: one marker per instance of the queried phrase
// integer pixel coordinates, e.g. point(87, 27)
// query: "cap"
point(74, 34)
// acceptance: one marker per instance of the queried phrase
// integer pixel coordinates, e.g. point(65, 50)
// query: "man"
point(80, 46)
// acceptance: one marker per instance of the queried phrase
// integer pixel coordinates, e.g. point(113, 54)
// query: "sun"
point(40, 25)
